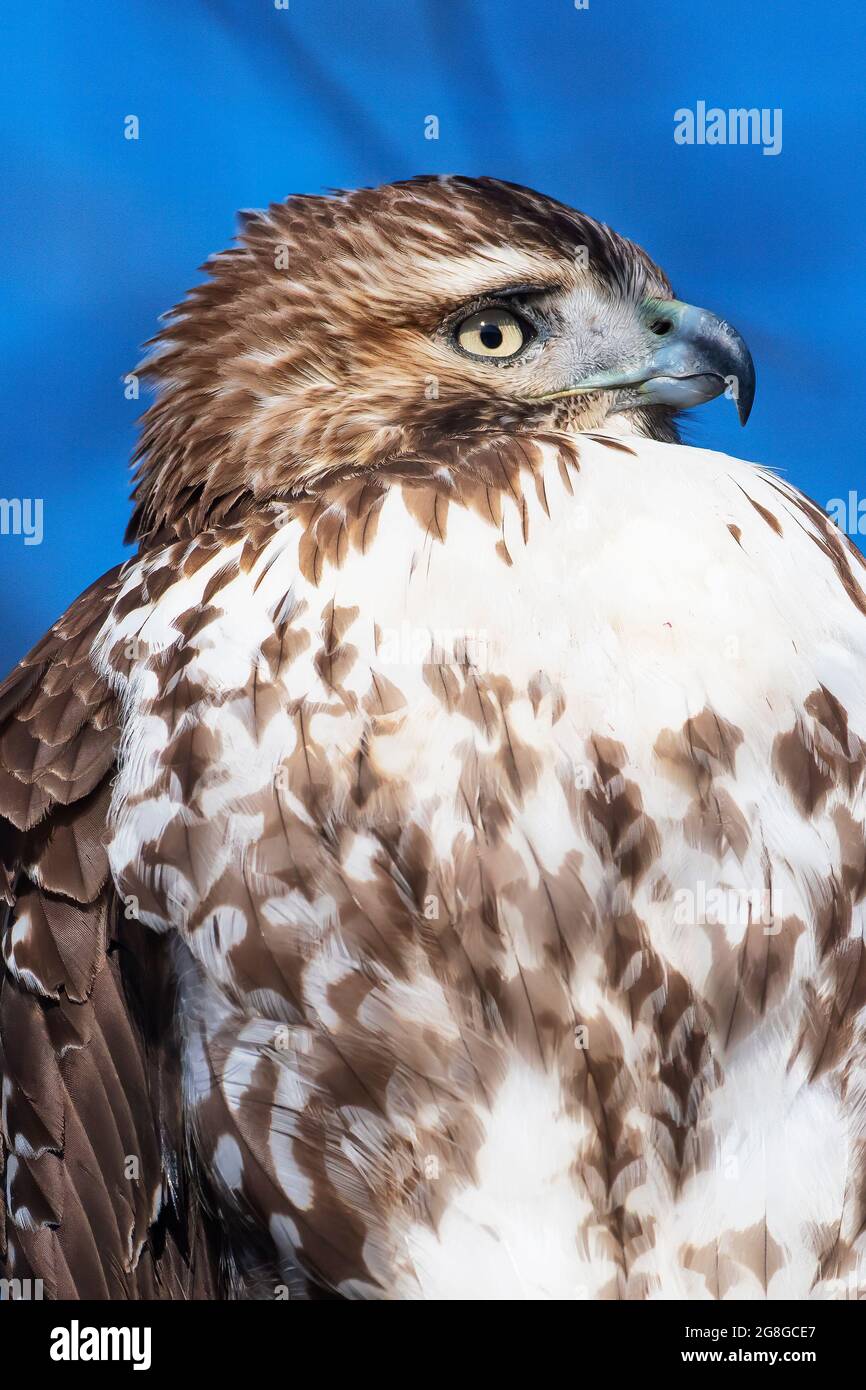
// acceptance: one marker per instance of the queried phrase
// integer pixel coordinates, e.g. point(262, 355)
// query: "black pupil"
point(491, 335)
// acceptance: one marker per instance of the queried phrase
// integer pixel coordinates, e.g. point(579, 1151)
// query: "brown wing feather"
point(96, 1199)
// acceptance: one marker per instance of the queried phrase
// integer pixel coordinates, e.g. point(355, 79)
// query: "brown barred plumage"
point(435, 861)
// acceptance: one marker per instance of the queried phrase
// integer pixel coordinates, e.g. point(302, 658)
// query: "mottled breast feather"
point(499, 814)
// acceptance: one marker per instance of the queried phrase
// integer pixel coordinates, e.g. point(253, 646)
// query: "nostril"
point(660, 327)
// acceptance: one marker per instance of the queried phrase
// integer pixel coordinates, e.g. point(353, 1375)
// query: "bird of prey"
point(435, 860)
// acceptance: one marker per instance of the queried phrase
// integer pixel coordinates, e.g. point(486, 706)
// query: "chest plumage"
point(434, 864)
point(508, 824)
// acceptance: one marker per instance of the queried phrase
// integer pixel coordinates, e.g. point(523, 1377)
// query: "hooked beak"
point(692, 356)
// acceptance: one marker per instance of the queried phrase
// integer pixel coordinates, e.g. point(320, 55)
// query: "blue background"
point(241, 104)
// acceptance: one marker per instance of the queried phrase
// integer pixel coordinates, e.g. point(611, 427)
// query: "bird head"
point(343, 332)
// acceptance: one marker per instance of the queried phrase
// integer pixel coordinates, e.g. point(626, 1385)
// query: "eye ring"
point(492, 334)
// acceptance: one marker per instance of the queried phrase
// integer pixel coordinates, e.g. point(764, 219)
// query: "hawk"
point(435, 860)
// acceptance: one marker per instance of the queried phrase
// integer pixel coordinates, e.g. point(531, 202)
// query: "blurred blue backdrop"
point(241, 102)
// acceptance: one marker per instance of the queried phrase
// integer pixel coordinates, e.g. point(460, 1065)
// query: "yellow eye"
point(491, 333)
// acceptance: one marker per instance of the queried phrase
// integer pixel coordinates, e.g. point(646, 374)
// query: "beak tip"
point(745, 401)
